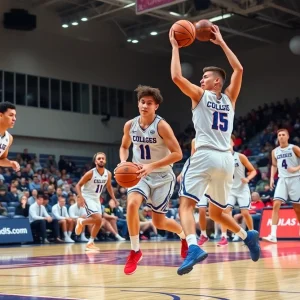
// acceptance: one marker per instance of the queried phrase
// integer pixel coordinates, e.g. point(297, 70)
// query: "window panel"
point(44, 92)
point(55, 94)
point(20, 89)
point(66, 95)
point(32, 91)
point(9, 86)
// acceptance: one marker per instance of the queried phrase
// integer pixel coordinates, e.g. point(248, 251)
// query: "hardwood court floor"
point(67, 272)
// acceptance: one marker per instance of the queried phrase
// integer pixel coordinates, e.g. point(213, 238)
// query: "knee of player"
point(245, 212)
point(98, 219)
point(276, 204)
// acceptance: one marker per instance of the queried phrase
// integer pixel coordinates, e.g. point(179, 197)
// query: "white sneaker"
point(270, 238)
point(119, 238)
point(83, 239)
point(69, 240)
point(236, 238)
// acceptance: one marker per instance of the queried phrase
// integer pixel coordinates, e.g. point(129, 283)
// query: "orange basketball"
point(203, 31)
point(126, 176)
point(184, 33)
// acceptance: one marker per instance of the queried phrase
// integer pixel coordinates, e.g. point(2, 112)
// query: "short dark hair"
point(219, 71)
point(144, 91)
point(4, 106)
point(95, 155)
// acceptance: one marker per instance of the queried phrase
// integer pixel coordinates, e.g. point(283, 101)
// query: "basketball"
point(203, 31)
point(184, 33)
point(126, 175)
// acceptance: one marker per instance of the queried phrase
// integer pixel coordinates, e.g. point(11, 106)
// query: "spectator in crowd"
point(260, 186)
point(4, 197)
point(60, 213)
point(23, 186)
point(40, 220)
point(3, 211)
point(23, 208)
point(51, 162)
point(26, 156)
point(48, 207)
point(13, 194)
point(75, 212)
point(35, 184)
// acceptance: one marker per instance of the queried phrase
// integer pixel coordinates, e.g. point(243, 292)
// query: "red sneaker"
point(184, 248)
point(223, 242)
point(144, 238)
point(203, 239)
point(132, 260)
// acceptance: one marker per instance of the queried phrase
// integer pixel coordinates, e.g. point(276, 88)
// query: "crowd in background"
point(255, 137)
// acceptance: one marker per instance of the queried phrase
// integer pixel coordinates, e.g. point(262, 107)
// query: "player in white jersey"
point(7, 120)
point(89, 189)
point(240, 191)
point(155, 149)
point(201, 205)
point(285, 159)
point(212, 163)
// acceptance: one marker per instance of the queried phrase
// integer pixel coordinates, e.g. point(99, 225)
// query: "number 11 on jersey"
point(99, 188)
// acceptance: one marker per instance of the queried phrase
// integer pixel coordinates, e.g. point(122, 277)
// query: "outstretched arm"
point(191, 90)
point(234, 87)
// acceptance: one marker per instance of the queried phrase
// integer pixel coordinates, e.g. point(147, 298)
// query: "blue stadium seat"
point(18, 217)
point(11, 214)
point(3, 217)
point(14, 204)
point(4, 204)
point(11, 209)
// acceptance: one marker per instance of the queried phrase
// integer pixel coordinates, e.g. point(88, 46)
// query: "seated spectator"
point(47, 205)
point(3, 211)
point(13, 194)
point(23, 208)
point(266, 195)
point(146, 223)
point(33, 197)
point(36, 164)
point(51, 162)
point(26, 156)
point(66, 223)
point(54, 198)
point(260, 186)
point(40, 220)
point(75, 212)
point(23, 186)
point(114, 209)
point(108, 214)
point(4, 197)
point(35, 184)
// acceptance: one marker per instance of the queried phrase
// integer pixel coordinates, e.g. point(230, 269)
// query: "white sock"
point(91, 240)
point(203, 232)
point(66, 234)
point(242, 234)
point(135, 243)
point(191, 239)
point(82, 235)
point(181, 235)
point(274, 230)
point(69, 233)
point(224, 234)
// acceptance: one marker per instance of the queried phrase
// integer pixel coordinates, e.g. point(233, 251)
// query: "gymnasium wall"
point(82, 54)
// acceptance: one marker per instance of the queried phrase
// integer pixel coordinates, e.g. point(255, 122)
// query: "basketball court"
point(67, 272)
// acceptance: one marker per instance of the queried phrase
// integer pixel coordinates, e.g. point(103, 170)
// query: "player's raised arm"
point(234, 87)
point(191, 90)
point(126, 142)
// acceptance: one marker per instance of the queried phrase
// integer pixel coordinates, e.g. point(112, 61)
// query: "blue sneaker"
point(195, 254)
point(252, 242)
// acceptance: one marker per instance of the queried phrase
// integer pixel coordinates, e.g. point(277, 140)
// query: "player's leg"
point(70, 226)
point(135, 197)
point(203, 224)
point(63, 226)
point(224, 241)
point(219, 190)
point(162, 187)
point(280, 196)
point(294, 194)
point(247, 218)
point(193, 186)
